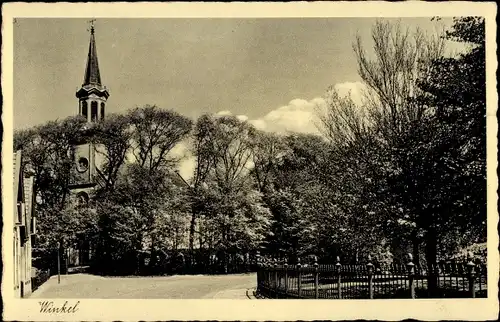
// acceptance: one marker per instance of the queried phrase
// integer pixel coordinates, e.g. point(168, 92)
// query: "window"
point(93, 111)
point(33, 225)
point(84, 109)
point(102, 111)
point(20, 213)
point(82, 198)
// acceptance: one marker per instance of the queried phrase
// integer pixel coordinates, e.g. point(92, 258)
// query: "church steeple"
point(92, 75)
point(92, 96)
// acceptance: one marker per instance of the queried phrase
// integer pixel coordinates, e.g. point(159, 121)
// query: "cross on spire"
point(91, 24)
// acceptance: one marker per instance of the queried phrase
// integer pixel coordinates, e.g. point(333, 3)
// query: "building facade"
point(24, 226)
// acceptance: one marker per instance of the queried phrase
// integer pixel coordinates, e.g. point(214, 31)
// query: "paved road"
point(238, 286)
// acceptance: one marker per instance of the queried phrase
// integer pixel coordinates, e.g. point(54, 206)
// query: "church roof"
point(92, 75)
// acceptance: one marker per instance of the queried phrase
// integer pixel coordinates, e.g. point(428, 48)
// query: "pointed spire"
point(92, 75)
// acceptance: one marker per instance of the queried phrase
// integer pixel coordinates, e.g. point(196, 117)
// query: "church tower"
point(92, 96)
point(92, 99)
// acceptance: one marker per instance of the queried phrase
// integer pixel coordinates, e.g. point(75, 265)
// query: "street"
point(237, 286)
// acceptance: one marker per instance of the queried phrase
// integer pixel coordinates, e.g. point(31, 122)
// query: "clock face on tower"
point(84, 166)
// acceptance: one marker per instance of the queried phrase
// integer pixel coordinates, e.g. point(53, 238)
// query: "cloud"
point(301, 115)
point(298, 115)
point(355, 89)
point(224, 113)
point(242, 118)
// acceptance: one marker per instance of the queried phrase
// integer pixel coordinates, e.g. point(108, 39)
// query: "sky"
point(269, 71)
point(194, 66)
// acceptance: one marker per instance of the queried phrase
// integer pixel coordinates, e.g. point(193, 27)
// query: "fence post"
point(299, 278)
point(471, 274)
point(411, 275)
point(370, 276)
point(286, 277)
point(275, 278)
point(316, 277)
point(339, 287)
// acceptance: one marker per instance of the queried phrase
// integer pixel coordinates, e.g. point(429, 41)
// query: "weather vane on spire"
point(91, 24)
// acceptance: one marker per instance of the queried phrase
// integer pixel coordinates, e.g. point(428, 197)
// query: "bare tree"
point(267, 148)
point(222, 148)
point(232, 151)
point(400, 58)
point(343, 121)
point(155, 132)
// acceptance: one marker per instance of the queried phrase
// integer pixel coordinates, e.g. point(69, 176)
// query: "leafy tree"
point(453, 143)
point(48, 149)
point(112, 137)
point(401, 57)
point(200, 145)
point(224, 194)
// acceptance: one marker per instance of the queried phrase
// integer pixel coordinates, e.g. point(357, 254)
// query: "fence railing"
point(338, 281)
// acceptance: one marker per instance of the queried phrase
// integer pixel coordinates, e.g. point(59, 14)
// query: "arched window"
point(84, 109)
point(102, 111)
point(93, 111)
point(82, 198)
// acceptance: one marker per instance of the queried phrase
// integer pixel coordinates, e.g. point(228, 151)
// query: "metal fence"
point(338, 281)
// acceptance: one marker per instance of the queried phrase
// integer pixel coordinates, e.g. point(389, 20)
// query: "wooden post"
point(339, 280)
point(411, 275)
point(370, 276)
point(471, 274)
point(299, 278)
point(286, 277)
point(316, 277)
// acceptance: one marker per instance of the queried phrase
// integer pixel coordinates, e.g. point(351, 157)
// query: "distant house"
point(24, 226)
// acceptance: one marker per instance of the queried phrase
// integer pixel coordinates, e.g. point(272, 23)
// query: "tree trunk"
point(138, 249)
point(415, 250)
point(191, 230)
point(431, 257)
point(152, 255)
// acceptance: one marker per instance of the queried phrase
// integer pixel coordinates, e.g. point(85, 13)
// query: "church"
point(92, 99)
